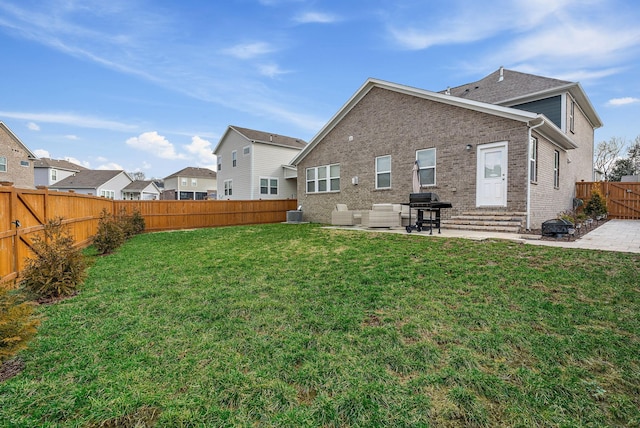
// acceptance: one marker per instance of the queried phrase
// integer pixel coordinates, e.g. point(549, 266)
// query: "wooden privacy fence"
point(623, 199)
point(23, 213)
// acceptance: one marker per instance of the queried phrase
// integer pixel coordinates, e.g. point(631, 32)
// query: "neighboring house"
point(16, 159)
point(48, 172)
point(95, 182)
point(256, 165)
point(510, 143)
point(141, 190)
point(190, 183)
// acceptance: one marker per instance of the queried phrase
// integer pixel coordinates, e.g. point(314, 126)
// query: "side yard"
point(295, 325)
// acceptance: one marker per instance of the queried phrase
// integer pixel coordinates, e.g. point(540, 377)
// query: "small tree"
point(18, 323)
point(110, 234)
point(597, 205)
point(57, 268)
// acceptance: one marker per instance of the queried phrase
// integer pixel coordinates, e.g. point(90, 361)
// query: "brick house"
point(510, 143)
point(16, 159)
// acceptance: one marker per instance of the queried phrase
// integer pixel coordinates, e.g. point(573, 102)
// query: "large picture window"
point(268, 186)
point(427, 166)
point(533, 160)
point(383, 172)
point(322, 179)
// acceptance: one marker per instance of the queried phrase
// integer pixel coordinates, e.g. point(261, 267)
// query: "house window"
point(109, 194)
point(194, 182)
point(246, 150)
point(24, 163)
point(556, 169)
point(572, 110)
point(383, 172)
point(219, 163)
point(54, 175)
point(323, 179)
point(228, 187)
point(268, 186)
point(3, 164)
point(234, 158)
point(427, 166)
point(533, 160)
point(183, 181)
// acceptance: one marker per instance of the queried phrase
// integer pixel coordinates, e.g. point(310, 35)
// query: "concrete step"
point(488, 218)
point(484, 222)
point(498, 213)
point(507, 229)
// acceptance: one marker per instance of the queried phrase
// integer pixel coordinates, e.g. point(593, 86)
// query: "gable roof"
point(546, 127)
point(30, 154)
point(254, 136)
point(139, 185)
point(87, 179)
point(194, 172)
point(58, 164)
point(508, 88)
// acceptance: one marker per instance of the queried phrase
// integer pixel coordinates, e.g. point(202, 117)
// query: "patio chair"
point(343, 216)
point(382, 215)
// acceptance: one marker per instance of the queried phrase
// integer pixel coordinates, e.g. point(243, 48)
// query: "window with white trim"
point(219, 163)
point(183, 181)
point(427, 166)
point(268, 186)
point(54, 175)
point(533, 160)
point(322, 179)
point(109, 194)
point(194, 182)
point(3, 164)
point(246, 150)
point(228, 187)
point(24, 163)
point(572, 110)
point(556, 169)
point(234, 158)
point(383, 172)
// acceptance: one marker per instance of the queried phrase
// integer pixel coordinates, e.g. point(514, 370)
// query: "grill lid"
point(423, 197)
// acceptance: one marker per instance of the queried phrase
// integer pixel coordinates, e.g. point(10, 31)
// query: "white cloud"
point(315, 18)
point(271, 70)
point(201, 150)
point(110, 166)
point(616, 102)
point(155, 144)
point(71, 119)
point(249, 50)
point(71, 137)
point(33, 126)
point(41, 153)
point(83, 163)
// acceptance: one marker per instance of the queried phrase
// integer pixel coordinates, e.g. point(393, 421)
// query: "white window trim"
point(269, 179)
point(234, 158)
point(246, 150)
point(556, 169)
point(219, 163)
point(317, 181)
point(3, 164)
point(378, 172)
point(194, 182)
point(533, 160)
point(434, 167)
point(54, 175)
point(228, 187)
point(184, 181)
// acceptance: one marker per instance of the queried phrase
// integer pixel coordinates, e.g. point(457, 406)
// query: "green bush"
point(57, 268)
point(131, 224)
point(18, 324)
point(597, 205)
point(110, 234)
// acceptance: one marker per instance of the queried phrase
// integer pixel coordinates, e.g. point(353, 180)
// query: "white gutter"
point(529, 172)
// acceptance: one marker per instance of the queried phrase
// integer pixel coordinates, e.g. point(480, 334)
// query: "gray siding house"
point(95, 182)
point(48, 172)
point(16, 160)
point(508, 143)
point(256, 165)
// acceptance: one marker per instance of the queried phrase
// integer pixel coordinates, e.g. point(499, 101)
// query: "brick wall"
point(20, 176)
point(390, 123)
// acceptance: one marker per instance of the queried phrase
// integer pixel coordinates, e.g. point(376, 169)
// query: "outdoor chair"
point(382, 215)
point(343, 216)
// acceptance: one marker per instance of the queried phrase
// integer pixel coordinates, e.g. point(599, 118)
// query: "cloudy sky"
point(151, 85)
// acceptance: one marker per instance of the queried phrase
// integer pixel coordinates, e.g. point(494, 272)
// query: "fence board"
point(623, 199)
point(81, 214)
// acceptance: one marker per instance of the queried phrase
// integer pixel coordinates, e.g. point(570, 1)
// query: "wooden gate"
point(623, 199)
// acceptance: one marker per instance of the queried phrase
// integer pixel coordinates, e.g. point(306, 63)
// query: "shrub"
point(597, 205)
point(131, 224)
point(18, 324)
point(110, 234)
point(57, 267)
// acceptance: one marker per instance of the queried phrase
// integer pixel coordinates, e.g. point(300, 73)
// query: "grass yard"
point(282, 325)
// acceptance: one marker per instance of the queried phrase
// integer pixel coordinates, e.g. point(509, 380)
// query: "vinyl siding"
point(268, 161)
point(550, 107)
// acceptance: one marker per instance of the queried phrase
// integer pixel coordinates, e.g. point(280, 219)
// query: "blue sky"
point(151, 85)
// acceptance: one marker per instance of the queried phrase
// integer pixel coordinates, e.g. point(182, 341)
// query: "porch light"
point(469, 147)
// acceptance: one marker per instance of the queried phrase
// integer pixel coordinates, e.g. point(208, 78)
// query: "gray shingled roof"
point(137, 185)
point(87, 179)
point(57, 163)
point(515, 84)
point(268, 138)
point(193, 172)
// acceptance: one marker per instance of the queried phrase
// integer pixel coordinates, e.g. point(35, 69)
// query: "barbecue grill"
point(427, 201)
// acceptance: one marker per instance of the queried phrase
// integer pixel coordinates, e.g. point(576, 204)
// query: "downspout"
point(529, 172)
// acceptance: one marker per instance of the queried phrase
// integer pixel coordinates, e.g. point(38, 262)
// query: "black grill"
point(427, 201)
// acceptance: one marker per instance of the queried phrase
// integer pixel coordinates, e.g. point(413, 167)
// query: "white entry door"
point(491, 183)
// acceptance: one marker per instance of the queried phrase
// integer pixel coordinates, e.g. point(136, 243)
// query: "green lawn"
point(282, 325)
